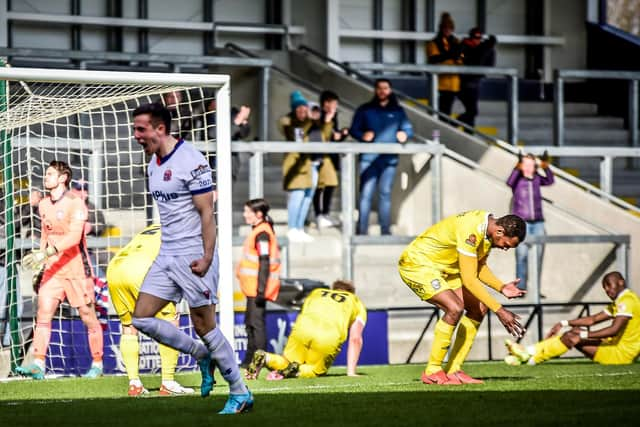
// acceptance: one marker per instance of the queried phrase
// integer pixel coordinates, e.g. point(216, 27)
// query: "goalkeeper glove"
point(36, 259)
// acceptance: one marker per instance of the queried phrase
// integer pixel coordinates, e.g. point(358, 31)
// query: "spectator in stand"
point(525, 182)
point(94, 227)
point(445, 49)
point(181, 116)
point(300, 173)
point(240, 130)
point(331, 163)
point(381, 120)
point(476, 52)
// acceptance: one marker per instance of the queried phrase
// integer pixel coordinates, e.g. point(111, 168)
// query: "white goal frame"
point(221, 84)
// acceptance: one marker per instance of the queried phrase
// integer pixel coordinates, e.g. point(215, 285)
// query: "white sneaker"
point(169, 388)
point(305, 238)
point(324, 221)
point(294, 235)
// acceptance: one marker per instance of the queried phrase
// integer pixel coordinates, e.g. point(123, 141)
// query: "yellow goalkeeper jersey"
point(438, 247)
point(334, 309)
point(134, 260)
point(627, 304)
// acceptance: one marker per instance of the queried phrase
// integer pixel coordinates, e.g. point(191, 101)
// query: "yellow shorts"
point(614, 354)
point(428, 282)
point(78, 292)
point(312, 347)
point(124, 296)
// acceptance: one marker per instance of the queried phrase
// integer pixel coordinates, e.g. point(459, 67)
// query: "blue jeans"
point(381, 174)
point(299, 202)
point(534, 228)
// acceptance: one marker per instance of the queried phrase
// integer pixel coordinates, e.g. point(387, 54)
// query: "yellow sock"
point(130, 350)
point(306, 371)
point(548, 349)
point(275, 362)
point(440, 346)
point(168, 362)
point(467, 330)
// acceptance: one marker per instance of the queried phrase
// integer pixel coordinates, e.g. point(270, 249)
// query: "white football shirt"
point(173, 180)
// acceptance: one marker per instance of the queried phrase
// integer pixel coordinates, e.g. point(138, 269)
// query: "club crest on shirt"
point(471, 240)
point(167, 175)
point(206, 294)
point(59, 215)
point(435, 284)
point(622, 307)
point(200, 170)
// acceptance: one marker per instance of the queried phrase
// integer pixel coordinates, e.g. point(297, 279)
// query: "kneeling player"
point(125, 274)
point(617, 344)
point(326, 318)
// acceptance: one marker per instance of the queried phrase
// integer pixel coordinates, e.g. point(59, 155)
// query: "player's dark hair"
point(328, 95)
point(382, 80)
point(514, 226)
point(159, 114)
point(343, 285)
point(613, 275)
point(260, 205)
point(63, 169)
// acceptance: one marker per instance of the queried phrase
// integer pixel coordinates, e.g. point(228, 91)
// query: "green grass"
point(557, 393)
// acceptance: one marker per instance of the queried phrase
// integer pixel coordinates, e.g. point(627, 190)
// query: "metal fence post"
point(436, 185)
point(348, 189)
point(434, 92)
point(264, 103)
point(558, 109)
point(512, 118)
point(256, 175)
point(633, 118)
point(622, 258)
point(533, 278)
point(606, 174)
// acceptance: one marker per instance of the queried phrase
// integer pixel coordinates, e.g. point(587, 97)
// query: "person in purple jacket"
point(381, 120)
point(525, 182)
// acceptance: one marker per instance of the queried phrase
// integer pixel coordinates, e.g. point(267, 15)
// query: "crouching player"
point(125, 274)
point(617, 344)
point(326, 318)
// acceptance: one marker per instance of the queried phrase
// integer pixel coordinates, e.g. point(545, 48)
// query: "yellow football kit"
point(126, 272)
point(430, 264)
point(625, 347)
point(319, 332)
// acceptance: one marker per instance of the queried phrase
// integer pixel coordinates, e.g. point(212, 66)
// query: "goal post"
point(84, 118)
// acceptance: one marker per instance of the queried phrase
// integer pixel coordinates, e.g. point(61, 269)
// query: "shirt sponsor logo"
point(167, 175)
point(200, 170)
point(161, 196)
point(471, 240)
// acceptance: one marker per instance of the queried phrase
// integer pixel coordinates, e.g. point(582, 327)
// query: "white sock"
point(225, 358)
point(39, 363)
point(135, 382)
point(97, 364)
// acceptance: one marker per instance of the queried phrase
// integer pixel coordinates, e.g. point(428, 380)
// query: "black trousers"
point(254, 322)
point(469, 94)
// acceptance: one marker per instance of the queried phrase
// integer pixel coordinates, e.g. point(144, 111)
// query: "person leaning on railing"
point(525, 182)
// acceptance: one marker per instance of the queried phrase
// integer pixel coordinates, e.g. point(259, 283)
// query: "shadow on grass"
point(441, 408)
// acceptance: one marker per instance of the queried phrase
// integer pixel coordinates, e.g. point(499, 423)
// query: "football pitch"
point(561, 393)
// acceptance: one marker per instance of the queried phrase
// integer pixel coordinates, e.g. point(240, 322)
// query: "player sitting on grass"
point(327, 316)
point(125, 274)
point(617, 344)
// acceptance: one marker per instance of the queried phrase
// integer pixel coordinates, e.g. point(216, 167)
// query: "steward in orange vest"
point(249, 273)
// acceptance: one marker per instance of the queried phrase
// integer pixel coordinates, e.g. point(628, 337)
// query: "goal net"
point(84, 118)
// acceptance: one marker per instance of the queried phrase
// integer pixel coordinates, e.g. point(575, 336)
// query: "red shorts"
point(78, 292)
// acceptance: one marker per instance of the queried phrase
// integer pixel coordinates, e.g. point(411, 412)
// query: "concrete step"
point(603, 136)
point(579, 122)
point(496, 108)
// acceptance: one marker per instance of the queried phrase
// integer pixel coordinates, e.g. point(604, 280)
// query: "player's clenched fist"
point(200, 266)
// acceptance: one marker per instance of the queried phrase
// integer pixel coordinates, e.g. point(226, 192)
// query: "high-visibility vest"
point(247, 269)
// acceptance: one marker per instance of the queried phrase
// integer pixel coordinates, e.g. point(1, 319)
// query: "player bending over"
point(616, 344)
point(447, 267)
point(181, 183)
point(327, 316)
point(67, 270)
point(125, 274)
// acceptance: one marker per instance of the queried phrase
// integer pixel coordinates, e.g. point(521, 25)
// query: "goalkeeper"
point(67, 272)
point(616, 344)
point(125, 274)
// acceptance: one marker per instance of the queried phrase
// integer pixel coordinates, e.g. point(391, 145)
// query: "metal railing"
point(560, 76)
point(536, 314)
point(435, 70)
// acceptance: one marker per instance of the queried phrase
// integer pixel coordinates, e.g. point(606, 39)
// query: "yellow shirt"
point(627, 304)
point(336, 310)
point(438, 247)
point(135, 259)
